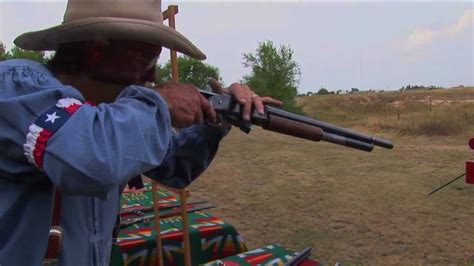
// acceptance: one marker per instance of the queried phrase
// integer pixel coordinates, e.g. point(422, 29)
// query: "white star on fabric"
point(52, 117)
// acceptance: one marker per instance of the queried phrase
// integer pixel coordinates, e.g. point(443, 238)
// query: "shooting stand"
point(183, 194)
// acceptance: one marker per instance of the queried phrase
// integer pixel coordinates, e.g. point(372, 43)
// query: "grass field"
point(411, 112)
point(351, 206)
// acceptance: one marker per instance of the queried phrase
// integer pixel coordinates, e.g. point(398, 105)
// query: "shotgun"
point(287, 123)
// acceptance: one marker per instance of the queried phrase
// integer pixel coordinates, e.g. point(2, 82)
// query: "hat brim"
point(102, 28)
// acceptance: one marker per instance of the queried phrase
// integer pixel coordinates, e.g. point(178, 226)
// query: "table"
point(211, 238)
point(270, 255)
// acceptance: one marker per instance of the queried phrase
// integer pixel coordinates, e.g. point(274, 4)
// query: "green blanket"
point(211, 238)
point(272, 255)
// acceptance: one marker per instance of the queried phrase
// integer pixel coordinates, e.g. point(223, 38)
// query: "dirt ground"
point(352, 207)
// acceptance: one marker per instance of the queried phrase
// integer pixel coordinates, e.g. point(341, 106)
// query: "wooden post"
point(183, 196)
point(170, 15)
point(156, 209)
point(183, 193)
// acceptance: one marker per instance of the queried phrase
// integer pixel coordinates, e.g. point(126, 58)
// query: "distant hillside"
point(408, 112)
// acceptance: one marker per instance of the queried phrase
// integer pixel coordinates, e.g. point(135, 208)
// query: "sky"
point(338, 45)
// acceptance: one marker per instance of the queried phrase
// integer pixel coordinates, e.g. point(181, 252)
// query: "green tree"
point(322, 91)
point(274, 73)
point(39, 56)
point(190, 71)
point(18, 53)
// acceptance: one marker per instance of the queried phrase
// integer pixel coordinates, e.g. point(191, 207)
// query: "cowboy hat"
point(137, 20)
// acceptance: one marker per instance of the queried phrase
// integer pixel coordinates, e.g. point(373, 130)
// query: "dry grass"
point(443, 121)
point(350, 206)
point(451, 111)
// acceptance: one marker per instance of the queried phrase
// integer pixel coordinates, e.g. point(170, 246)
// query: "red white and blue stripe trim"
point(44, 128)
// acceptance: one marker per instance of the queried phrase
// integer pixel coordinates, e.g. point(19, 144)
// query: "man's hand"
point(186, 105)
point(244, 96)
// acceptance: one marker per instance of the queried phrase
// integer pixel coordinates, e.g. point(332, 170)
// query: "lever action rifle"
point(280, 121)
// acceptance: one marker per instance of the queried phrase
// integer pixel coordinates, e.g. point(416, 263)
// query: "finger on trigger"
point(209, 112)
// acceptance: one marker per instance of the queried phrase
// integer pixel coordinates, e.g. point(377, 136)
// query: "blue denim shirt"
point(90, 156)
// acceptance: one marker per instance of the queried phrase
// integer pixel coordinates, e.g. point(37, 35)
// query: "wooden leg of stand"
point(185, 220)
point(156, 209)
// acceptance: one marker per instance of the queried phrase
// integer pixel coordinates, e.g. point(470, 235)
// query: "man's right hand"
point(186, 105)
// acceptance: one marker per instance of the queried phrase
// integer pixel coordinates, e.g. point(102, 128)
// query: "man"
point(52, 137)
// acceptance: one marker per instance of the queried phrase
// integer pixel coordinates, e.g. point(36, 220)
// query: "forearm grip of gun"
point(293, 128)
point(301, 130)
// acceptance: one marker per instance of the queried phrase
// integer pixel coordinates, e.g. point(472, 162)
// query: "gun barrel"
point(301, 130)
point(349, 142)
point(382, 143)
point(326, 127)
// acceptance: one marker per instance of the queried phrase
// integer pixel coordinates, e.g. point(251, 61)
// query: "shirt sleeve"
point(101, 147)
point(98, 147)
point(191, 152)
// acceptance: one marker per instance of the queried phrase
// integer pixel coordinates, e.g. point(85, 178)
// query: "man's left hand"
point(245, 96)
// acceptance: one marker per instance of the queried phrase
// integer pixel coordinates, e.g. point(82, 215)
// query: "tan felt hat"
point(136, 20)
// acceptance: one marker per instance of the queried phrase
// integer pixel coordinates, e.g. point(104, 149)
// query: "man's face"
point(127, 62)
